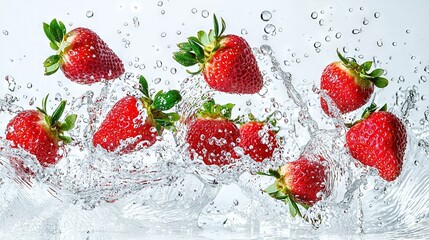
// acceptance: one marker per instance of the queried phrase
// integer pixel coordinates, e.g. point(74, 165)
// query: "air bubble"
point(173, 70)
point(407, 31)
point(160, 3)
point(338, 35)
point(58, 97)
point(379, 43)
point(350, 9)
point(365, 21)
point(244, 31)
point(394, 44)
point(157, 80)
point(163, 34)
point(422, 79)
point(136, 22)
point(314, 15)
point(321, 22)
point(29, 85)
point(178, 32)
point(317, 44)
point(5, 32)
point(158, 63)
point(270, 29)
point(327, 38)
point(11, 82)
point(194, 10)
point(356, 31)
point(376, 14)
point(89, 14)
point(205, 13)
point(266, 16)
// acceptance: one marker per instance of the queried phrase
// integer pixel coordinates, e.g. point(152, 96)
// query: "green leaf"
point(274, 173)
point(56, 30)
point(366, 66)
point(54, 59)
point(173, 116)
point(63, 28)
point(66, 139)
point(52, 69)
point(198, 50)
point(216, 26)
point(263, 174)
point(203, 37)
point(293, 207)
point(144, 87)
point(377, 73)
point(211, 35)
point(223, 27)
point(186, 46)
point(166, 101)
point(48, 120)
point(380, 82)
point(384, 108)
point(48, 33)
point(271, 189)
point(158, 128)
point(44, 103)
point(194, 40)
point(367, 112)
point(56, 115)
point(54, 46)
point(343, 59)
point(69, 122)
point(185, 58)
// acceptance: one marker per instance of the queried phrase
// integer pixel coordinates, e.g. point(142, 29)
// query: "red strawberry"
point(139, 119)
point(226, 62)
point(212, 136)
point(349, 84)
point(82, 55)
point(257, 141)
point(301, 181)
point(40, 134)
point(379, 140)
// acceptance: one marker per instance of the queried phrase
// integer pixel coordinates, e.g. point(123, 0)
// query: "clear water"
point(159, 192)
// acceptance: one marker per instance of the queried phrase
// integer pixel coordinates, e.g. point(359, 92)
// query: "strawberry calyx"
point(367, 112)
point(279, 191)
point(362, 72)
point(56, 127)
point(200, 49)
point(156, 105)
point(215, 111)
point(56, 33)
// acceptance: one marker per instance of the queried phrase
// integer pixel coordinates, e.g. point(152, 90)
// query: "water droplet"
point(266, 16)
point(157, 80)
point(178, 32)
point(136, 22)
point(321, 22)
point(356, 31)
point(89, 14)
point(162, 12)
point(125, 24)
point(350, 9)
point(380, 43)
point(407, 31)
point(205, 13)
point(314, 15)
point(362, 8)
point(173, 70)
point(426, 69)
point(32, 100)
point(158, 63)
point(317, 44)
point(376, 14)
point(5, 32)
point(265, 49)
point(163, 34)
point(422, 79)
point(11, 82)
point(365, 21)
point(194, 10)
point(244, 31)
point(427, 115)
point(394, 44)
point(160, 3)
point(270, 29)
point(29, 85)
point(345, 50)
point(235, 202)
point(327, 38)
point(338, 35)
point(401, 78)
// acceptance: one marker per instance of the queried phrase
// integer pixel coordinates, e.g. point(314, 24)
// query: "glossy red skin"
point(233, 67)
point(28, 131)
point(379, 141)
point(257, 142)
point(88, 59)
point(123, 121)
point(340, 84)
point(304, 179)
point(212, 153)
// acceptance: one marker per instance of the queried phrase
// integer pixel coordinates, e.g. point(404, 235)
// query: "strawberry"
point(300, 182)
point(212, 136)
point(41, 134)
point(349, 84)
point(379, 140)
point(81, 54)
point(142, 119)
point(257, 140)
point(226, 62)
